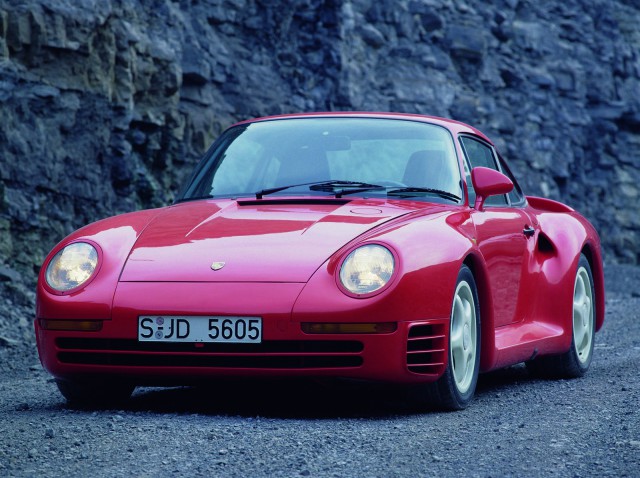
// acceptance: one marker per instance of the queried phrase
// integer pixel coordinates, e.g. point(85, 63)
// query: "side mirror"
point(488, 182)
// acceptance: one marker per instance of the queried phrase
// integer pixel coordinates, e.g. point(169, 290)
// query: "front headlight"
point(367, 269)
point(72, 266)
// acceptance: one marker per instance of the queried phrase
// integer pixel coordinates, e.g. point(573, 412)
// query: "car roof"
point(456, 127)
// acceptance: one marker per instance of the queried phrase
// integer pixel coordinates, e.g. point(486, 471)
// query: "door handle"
point(528, 231)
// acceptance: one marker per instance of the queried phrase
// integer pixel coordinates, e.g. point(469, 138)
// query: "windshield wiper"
point(346, 187)
point(356, 190)
point(341, 188)
point(408, 191)
point(266, 192)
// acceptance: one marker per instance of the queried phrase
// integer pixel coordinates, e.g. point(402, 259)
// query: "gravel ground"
point(517, 426)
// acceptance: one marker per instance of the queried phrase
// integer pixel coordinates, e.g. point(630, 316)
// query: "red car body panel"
point(283, 258)
point(256, 238)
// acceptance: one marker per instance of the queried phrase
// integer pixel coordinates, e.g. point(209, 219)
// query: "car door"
point(504, 234)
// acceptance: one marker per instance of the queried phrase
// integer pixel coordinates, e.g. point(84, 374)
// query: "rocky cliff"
point(106, 104)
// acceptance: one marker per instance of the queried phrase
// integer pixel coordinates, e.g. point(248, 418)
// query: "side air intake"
point(427, 348)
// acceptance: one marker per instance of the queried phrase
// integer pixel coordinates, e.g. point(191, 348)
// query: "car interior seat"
point(303, 165)
point(430, 169)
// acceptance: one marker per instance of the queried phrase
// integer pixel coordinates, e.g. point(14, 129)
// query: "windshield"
point(320, 156)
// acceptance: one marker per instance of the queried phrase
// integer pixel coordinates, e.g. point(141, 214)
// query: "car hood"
point(259, 241)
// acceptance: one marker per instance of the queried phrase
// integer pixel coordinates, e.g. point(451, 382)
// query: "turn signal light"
point(324, 328)
point(75, 325)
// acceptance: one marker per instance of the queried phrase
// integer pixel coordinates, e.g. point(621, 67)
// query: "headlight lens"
point(367, 269)
point(72, 266)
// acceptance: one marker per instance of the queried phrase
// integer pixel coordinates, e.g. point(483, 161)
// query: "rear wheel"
point(575, 361)
point(455, 389)
point(93, 393)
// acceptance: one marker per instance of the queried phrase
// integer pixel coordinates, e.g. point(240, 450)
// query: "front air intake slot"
point(293, 354)
point(427, 348)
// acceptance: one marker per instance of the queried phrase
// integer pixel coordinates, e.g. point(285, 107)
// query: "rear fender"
point(560, 241)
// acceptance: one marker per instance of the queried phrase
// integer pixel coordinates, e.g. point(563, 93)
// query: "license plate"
point(199, 329)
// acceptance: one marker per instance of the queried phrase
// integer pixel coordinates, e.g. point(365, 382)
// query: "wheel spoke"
point(577, 303)
point(467, 312)
point(580, 287)
point(468, 356)
point(584, 344)
point(456, 339)
point(580, 333)
point(458, 310)
point(577, 316)
point(458, 364)
point(587, 305)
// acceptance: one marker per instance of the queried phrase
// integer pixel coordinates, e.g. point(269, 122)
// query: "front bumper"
point(415, 352)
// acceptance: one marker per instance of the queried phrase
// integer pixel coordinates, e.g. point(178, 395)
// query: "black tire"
point(90, 393)
point(576, 361)
point(456, 388)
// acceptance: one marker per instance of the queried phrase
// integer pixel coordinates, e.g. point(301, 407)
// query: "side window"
point(516, 196)
point(481, 154)
point(467, 174)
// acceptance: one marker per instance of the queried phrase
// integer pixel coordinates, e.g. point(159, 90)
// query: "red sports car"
point(386, 247)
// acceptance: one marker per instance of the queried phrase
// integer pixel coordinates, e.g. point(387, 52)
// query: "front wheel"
point(455, 389)
point(575, 361)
